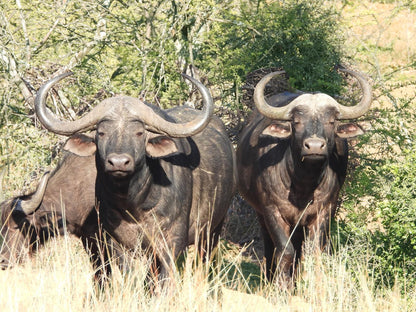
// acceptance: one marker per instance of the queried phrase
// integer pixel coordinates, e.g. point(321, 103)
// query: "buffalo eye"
point(101, 134)
point(139, 133)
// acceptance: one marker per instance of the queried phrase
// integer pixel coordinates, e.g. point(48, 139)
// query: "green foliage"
point(380, 199)
point(396, 239)
point(388, 222)
point(310, 45)
point(140, 48)
point(303, 37)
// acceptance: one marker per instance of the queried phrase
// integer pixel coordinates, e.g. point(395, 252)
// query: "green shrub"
point(396, 238)
point(379, 205)
point(303, 37)
point(140, 49)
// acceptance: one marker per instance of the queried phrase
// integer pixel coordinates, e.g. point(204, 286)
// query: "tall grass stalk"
point(60, 277)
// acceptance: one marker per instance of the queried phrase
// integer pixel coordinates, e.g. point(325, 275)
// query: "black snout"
point(119, 163)
point(314, 146)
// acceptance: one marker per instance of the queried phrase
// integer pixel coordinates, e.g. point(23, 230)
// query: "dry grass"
point(381, 38)
point(60, 278)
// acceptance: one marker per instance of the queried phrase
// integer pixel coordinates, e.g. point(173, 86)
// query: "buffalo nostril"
point(120, 162)
point(315, 144)
point(310, 145)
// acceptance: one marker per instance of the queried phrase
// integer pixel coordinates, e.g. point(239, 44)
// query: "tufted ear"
point(349, 130)
point(276, 129)
point(81, 145)
point(159, 146)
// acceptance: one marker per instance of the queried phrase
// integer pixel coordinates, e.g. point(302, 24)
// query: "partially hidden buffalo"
point(292, 160)
point(63, 203)
point(165, 178)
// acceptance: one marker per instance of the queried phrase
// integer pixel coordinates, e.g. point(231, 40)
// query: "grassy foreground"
point(60, 278)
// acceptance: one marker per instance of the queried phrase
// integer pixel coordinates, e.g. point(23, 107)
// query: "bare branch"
point(9, 60)
point(23, 21)
point(45, 39)
point(100, 35)
point(220, 20)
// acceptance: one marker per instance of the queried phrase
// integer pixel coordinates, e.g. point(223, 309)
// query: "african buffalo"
point(292, 160)
point(164, 177)
point(63, 202)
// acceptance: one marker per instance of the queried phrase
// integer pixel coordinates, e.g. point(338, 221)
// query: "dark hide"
point(183, 200)
point(67, 206)
point(162, 193)
point(291, 173)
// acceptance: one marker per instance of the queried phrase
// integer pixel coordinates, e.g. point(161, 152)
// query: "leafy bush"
point(380, 198)
point(396, 238)
point(139, 49)
point(303, 37)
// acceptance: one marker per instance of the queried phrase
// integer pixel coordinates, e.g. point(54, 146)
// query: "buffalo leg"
point(268, 250)
point(208, 240)
point(166, 246)
point(319, 230)
point(99, 258)
point(283, 254)
point(94, 241)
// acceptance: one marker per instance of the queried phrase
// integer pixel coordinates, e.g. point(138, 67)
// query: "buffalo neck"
point(127, 192)
point(305, 176)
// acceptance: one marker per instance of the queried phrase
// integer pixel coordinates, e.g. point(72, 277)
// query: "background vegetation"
point(139, 48)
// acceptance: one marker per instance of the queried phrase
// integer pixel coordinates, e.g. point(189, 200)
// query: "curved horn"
point(29, 205)
point(153, 121)
point(351, 112)
point(158, 124)
point(283, 113)
point(280, 113)
point(65, 127)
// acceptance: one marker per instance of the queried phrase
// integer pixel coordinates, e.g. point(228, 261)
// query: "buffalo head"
point(312, 121)
point(128, 130)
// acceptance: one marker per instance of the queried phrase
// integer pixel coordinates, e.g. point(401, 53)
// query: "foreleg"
point(282, 256)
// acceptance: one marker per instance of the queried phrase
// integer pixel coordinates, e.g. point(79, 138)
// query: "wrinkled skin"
point(164, 177)
point(160, 191)
point(72, 187)
point(67, 207)
point(291, 173)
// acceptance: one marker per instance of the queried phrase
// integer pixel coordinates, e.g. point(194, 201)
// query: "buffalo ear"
point(281, 130)
point(81, 145)
point(159, 146)
point(349, 130)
